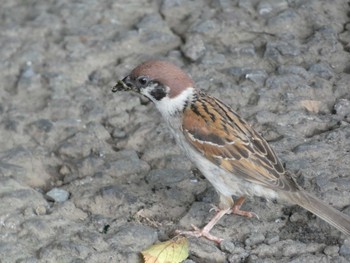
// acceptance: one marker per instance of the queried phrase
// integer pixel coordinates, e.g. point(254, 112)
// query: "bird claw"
point(255, 215)
point(244, 213)
point(236, 209)
point(204, 232)
point(197, 232)
point(214, 208)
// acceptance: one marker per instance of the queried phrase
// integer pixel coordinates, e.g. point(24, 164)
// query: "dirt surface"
point(91, 176)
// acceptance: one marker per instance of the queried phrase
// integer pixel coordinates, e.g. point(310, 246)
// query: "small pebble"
point(227, 246)
point(40, 210)
point(345, 248)
point(64, 170)
point(254, 239)
point(118, 133)
point(331, 250)
point(194, 47)
point(58, 195)
point(298, 217)
point(273, 240)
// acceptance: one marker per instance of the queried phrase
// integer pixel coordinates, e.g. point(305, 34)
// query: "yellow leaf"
point(172, 251)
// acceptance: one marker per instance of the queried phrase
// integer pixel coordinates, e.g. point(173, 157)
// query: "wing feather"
point(217, 132)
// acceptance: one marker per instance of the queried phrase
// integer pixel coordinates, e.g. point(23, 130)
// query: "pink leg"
point(236, 209)
point(204, 232)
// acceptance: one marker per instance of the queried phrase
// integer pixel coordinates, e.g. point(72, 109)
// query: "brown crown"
point(166, 73)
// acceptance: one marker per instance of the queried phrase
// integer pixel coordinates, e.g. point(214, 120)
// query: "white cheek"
point(147, 91)
point(169, 106)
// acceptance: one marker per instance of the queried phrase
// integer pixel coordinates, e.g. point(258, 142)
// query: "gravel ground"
point(91, 176)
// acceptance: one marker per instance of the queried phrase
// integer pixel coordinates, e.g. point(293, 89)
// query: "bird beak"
point(125, 85)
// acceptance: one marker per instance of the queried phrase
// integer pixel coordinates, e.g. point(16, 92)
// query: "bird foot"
point(204, 232)
point(236, 209)
point(197, 232)
point(214, 208)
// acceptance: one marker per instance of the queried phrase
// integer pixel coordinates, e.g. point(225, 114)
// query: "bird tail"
point(329, 214)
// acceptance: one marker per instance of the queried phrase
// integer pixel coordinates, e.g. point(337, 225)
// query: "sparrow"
point(231, 155)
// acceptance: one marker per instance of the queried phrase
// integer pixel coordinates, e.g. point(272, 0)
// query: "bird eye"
point(142, 80)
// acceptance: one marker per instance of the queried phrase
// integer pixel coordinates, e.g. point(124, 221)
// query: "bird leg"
point(236, 209)
point(204, 232)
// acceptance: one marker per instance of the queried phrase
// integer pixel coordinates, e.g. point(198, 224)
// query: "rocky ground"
point(91, 176)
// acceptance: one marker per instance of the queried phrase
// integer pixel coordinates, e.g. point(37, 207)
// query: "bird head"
point(163, 83)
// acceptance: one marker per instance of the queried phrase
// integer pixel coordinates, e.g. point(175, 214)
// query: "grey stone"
point(167, 177)
point(64, 251)
point(266, 251)
point(91, 140)
point(119, 121)
point(212, 58)
point(239, 255)
point(118, 133)
point(181, 14)
point(342, 108)
point(40, 210)
point(118, 193)
point(159, 151)
point(132, 238)
point(58, 195)
point(43, 125)
point(39, 228)
point(331, 250)
point(295, 70)
point(295, 217)
point(126, 163)
point(272, 240)
point(154, 31)
point(276, 50)
point(194, 47)
point(345, 248)
point(264, 8)
point(284, 17)
point(25, 165)
point(204, 250)
point(322, 70)
point(310, 258)
point(297, 248)
point(245, 4)
point(69, 211)
point(257, 76)
point(254, 239)
point(236, 71)
point(207, 26)
point(180, 162)
point(41, 131)
point(227, 246)
point(268, 6)
point(243, 50)
point(266, 117)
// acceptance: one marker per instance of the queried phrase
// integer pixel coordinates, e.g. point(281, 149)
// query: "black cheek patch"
point(158, 92)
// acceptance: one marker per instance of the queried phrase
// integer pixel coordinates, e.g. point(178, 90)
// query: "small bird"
point(232, 156)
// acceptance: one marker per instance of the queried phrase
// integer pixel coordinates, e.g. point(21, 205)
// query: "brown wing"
point(216, 131)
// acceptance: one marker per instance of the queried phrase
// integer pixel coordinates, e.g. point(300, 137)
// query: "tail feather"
point(329, 214)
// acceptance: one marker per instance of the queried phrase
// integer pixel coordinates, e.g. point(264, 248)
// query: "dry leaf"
point(172, 251)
